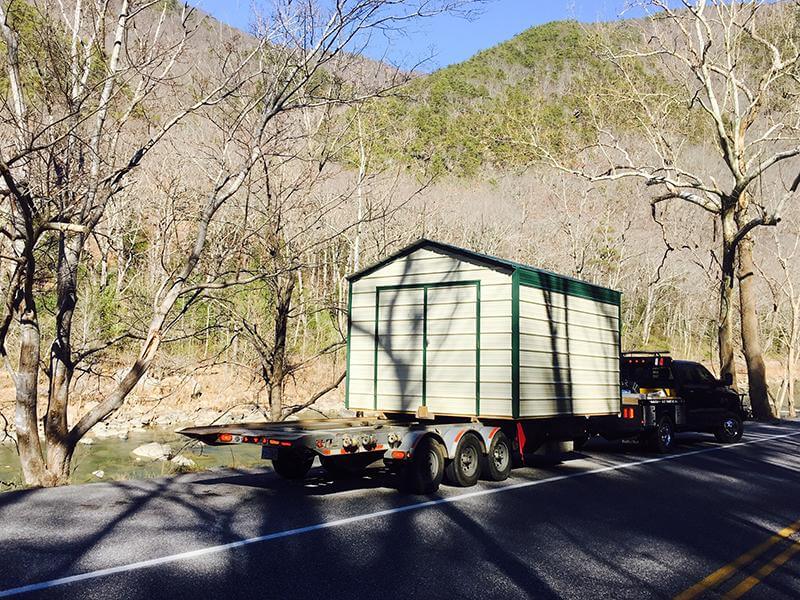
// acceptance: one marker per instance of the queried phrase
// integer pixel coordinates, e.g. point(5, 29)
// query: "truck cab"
point(710, 404)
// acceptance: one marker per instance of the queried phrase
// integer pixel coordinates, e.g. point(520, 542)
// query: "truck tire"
point(423, 472)
point(465, 468)
point(663, 436)
point(730, 430)
point(292, 464)
point(496, 464)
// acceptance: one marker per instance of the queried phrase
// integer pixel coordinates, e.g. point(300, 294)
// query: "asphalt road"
point(610, 522)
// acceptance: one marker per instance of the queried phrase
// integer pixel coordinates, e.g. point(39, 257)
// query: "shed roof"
point(528, 274)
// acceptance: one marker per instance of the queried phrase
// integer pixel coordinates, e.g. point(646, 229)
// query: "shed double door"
point(427, 347)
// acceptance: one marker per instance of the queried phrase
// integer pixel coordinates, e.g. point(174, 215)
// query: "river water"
point(113, 457)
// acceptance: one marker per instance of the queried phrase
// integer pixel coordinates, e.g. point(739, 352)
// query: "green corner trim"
point(515, 344)
point(349, 333)
point(375, 352)
point(571, 287)
point(478, 348)
point(425, 346)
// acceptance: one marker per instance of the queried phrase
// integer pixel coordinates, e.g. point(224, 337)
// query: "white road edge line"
point(144, 564)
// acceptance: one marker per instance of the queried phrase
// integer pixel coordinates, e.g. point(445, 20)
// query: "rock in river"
point(153, 451)
point(183, 461)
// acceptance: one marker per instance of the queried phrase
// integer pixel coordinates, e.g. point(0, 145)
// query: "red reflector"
point(225, 437)
point(286, 443)
point(398, 454)
point(245, 439)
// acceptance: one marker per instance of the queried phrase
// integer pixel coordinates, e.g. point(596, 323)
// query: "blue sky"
point(453, 39)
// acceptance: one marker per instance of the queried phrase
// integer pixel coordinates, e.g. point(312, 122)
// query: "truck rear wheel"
point(663, 436)
point(465, 468)
point(730, 430)
point(292, 464)
point(496, 465)
point(423, 472)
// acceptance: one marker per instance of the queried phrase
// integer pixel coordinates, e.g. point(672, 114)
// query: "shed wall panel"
point(569, 355)
point(451, 337)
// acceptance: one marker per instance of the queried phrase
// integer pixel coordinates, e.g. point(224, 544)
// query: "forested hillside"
point(179, 216)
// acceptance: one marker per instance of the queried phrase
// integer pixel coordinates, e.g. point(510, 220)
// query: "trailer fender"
point(410, 441)
point(454, 434)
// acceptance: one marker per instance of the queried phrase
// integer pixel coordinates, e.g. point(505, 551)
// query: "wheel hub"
point(500, 456)
point(666, 435)
point(730, 426)
point(469, 461)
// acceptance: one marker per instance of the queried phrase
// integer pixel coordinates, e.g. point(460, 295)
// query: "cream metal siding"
point(569, 354)
point(452, 350)
point(450, 386)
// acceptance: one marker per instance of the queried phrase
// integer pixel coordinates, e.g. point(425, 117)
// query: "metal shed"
point(467, 334)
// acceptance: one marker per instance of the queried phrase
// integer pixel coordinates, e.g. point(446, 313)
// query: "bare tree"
point(113, 83)
point(739, 62)
point(786, 296)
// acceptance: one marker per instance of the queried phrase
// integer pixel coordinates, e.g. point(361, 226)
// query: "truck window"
point(693, 373)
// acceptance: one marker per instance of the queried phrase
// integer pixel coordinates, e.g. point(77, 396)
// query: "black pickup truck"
point(662, 396)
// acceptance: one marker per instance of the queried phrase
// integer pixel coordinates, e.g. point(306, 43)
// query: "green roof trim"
point(528, 275)
point(544, 280)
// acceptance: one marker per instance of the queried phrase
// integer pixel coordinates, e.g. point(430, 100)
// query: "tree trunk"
point(726, 309)
point(60, 445)
point(283, 303)
point(751, 343)
point(26, 382)
point(25, 418)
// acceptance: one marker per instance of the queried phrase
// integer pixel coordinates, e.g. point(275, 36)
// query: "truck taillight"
point(628, 412)
point(225, 438)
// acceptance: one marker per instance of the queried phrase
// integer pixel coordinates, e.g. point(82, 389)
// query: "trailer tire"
point(496, 464)
point(730, 430)
point(423, 472)
point(661, 439)
point(465, 468)
point(292, 464)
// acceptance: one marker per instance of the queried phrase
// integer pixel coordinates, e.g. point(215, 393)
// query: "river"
point(113, 456)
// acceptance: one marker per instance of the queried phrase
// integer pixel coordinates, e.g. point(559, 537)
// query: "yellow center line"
point(727, 571)
point(753, 580)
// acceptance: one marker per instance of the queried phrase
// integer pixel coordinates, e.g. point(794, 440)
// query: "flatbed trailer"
point(470, 364)
point(424, 452)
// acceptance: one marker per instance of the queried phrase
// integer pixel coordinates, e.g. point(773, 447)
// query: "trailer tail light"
point(274, 443)
point(286, 443)
point(398, 455)
point(628, 413)
point(225, 438)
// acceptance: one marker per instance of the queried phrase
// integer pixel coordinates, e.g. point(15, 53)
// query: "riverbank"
point(157, 407)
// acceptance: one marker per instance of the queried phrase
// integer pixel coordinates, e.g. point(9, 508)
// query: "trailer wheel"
point(662, 436)
point(291, 464)
point(730, 430)
point(423, 472)
point(496, 465)
point(465, 468)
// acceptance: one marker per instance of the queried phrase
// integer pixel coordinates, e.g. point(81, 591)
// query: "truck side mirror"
point(727, 379)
